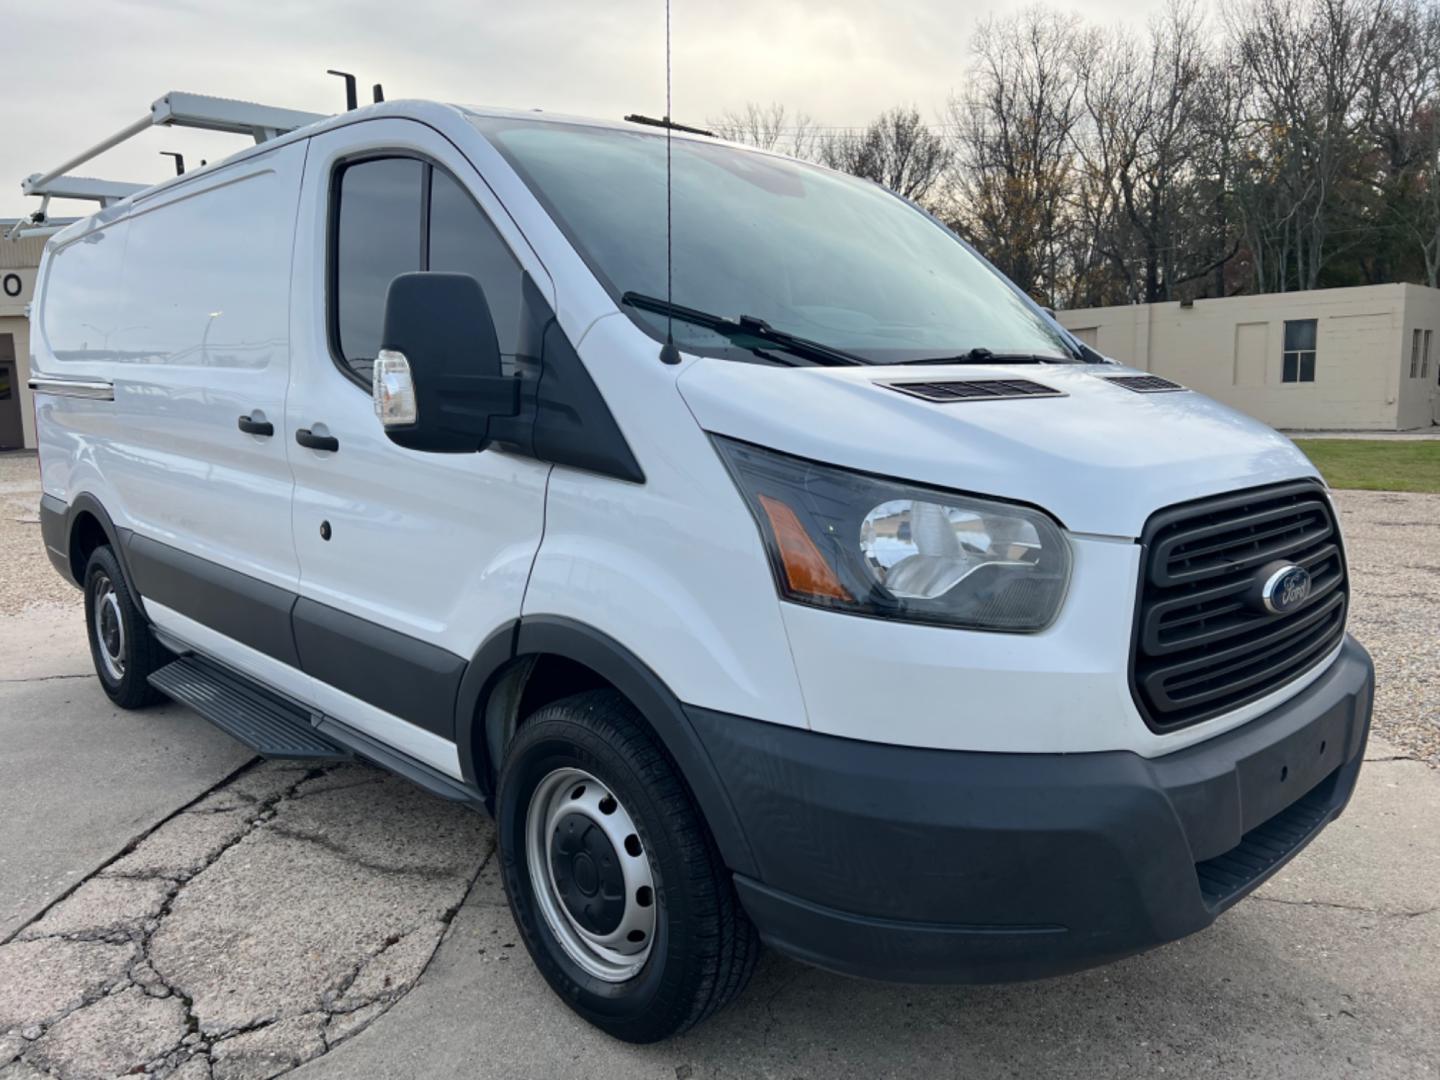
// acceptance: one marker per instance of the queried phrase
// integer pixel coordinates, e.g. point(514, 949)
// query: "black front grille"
point(975, 389)
point(1202, 644)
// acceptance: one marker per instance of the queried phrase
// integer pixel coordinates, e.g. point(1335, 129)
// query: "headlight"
point(871, 546)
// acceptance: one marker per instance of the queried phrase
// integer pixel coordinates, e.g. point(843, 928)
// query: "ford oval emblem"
point(1285, 589)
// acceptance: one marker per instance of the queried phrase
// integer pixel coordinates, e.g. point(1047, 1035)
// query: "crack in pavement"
point(141, 971)
point(129, 848)
point(368, 781)
point(446, 919)
point(192, 1019)
point(45, 678)
point(32, 1032)
point(425, 872)
point(1381, 912)
point(1396, 757)
point(226, 1051)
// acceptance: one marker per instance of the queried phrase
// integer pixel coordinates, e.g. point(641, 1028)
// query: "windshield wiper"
point(982, 355)
point(745, 326)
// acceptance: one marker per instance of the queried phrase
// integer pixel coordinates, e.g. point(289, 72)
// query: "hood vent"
point(1144, 384)
point(952, 390)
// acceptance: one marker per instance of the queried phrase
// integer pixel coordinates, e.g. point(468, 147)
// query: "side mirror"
point(437, 381)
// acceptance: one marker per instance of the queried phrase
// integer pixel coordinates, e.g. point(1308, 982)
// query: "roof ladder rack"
point(175, 109)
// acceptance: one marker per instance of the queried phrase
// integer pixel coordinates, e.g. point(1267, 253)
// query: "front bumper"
point(946, 866)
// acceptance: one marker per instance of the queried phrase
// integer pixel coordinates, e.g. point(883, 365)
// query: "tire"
point(121, 644)
point(699, 948)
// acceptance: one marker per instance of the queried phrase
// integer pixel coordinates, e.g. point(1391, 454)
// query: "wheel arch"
point(87, 526)
point(532, 661)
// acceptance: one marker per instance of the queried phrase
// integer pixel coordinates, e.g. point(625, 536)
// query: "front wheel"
point(617, 887)
point(124, 650)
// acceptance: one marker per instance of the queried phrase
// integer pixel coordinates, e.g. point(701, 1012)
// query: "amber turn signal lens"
point(806, 570)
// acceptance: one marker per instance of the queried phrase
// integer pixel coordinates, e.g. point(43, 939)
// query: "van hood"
point(1101, 458)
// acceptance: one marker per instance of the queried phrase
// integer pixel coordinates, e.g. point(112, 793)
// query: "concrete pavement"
point(291, 917)
point(81, 778)
point(1332, 970)
point(262, 925)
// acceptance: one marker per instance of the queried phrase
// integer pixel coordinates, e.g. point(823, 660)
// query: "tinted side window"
point(462, 241)
point(378, 236)
point(382, 230)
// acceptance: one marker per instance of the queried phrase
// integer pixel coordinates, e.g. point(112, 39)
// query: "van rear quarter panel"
point(184, 305)
point(77, 306)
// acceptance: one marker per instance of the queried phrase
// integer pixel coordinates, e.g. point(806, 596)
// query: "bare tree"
point(1221, 96)
point(1142, 151)
point(1401, 104)
point(897, 151)
point(769, 127)
point(1112, 76)
point(1012, 134)
point(1308, 67)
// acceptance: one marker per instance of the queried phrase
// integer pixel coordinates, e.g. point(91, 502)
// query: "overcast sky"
point(78, 70)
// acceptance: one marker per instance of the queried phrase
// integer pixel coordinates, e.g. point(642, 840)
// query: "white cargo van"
point(879, 620)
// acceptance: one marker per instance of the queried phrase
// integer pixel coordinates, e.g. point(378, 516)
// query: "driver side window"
point(396, 215)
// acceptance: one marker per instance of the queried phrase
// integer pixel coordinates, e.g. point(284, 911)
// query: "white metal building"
point(1329, 359)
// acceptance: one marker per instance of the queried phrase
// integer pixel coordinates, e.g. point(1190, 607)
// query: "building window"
point(1414, 353)
point(1299, 363)
point(1425, 357)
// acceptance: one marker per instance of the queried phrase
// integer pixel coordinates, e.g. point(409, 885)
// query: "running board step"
point(417, 772)
point(267, 724)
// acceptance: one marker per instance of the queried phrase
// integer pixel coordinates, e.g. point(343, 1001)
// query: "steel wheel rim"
point(615, 956)
point(109, 628)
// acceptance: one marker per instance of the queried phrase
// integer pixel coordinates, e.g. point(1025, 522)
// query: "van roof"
point(439, 114)
point(425, 109)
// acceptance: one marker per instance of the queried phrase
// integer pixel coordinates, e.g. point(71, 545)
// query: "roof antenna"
point(179, 160)
point(377, 93)
point(351, 101)
point(669, 354)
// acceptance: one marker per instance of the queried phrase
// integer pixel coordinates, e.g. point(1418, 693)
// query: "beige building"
point(18, 262)
point(1331, 359)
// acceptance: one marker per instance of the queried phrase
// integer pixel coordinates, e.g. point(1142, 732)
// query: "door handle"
point(255, 427)
point(305, 437)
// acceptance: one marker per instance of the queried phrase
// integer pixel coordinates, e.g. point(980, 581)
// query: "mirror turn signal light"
point(392, 388)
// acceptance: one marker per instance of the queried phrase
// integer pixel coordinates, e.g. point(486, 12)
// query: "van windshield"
point(813, 253)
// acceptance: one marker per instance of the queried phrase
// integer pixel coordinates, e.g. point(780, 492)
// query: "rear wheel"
point(619, 892)
point(124, 650)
